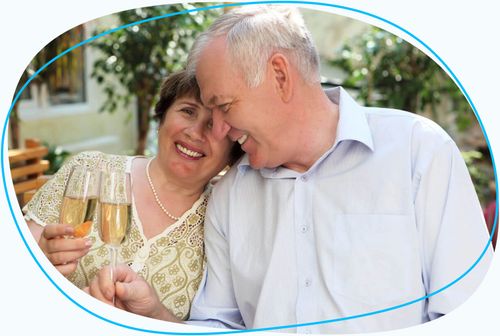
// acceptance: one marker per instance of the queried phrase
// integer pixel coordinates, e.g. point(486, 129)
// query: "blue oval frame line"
point(268, 328)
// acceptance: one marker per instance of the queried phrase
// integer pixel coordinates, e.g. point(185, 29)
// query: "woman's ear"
point(281, 73)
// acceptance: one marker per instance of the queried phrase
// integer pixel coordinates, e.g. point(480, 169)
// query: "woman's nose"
point(220, 127)
point(196, 131)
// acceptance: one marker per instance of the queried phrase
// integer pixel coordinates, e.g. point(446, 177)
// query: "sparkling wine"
point(114, 222)
point(76, 211)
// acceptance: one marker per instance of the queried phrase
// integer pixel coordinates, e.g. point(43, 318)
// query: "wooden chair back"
point(27, 168)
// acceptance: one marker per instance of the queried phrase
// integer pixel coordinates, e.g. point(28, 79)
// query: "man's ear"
point(280, 71)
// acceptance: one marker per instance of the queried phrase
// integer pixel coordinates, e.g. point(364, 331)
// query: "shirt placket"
point(305, 252)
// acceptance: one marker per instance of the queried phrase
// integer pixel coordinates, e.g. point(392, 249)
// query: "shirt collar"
point(352, 119)
point(352, 126)
point(244, 163)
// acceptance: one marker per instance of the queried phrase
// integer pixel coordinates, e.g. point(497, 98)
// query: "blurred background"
point(100, 96)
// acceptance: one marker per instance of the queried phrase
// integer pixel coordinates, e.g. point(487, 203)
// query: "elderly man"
point(337, 210)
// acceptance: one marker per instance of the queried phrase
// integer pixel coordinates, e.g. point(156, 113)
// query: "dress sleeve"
point(45, 205)
point(453, 233)
point(214, 304)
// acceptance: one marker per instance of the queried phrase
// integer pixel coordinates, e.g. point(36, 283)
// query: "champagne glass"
point(114, 215)
point(80, 199)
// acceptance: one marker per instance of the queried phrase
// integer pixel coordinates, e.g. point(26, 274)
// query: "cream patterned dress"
point(171, 262)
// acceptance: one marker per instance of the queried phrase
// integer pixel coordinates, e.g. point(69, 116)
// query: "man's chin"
point(259, 163)
point(255, 162)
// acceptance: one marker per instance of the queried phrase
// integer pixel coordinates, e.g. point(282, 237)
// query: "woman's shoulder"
point(96, 159)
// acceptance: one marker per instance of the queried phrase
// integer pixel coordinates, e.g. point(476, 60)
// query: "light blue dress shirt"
point(387, 215)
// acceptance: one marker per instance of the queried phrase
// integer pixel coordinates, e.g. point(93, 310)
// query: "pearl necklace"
point(156, 195)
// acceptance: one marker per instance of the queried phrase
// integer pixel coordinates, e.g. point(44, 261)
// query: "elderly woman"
point(165, 242)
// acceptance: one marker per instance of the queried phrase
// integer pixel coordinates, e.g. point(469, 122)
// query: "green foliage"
point(480, 174)
point(392, 73)
point(140, 56)
point(56, 157)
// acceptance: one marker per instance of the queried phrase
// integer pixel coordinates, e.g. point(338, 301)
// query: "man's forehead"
point(216, 75)
point(213, 54)
point(208, 87)
point(214, 99)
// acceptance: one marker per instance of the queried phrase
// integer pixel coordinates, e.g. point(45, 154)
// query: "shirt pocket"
point(376, 259)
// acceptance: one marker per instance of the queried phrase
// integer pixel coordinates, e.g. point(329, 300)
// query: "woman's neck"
point(164, 182)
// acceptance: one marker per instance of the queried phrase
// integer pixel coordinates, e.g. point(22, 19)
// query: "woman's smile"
point(188, 152)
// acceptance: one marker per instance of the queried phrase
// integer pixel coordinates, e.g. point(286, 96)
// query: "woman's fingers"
point(67, 244)
point(119, 304)
point(124, 273)
point(63, 252)
point(103, 287)
point(68, 268)
point(133, 293)
point(66, 257)
point(57, 230)
point(97, 292)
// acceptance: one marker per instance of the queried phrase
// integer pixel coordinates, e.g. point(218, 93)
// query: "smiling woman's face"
point(186, 146)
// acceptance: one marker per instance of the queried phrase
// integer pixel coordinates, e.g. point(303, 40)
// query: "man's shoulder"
point(231, 189)
point(238, 176)
point(405, 123)
point(224, 184)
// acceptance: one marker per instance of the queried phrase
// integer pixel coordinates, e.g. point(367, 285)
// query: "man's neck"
point(316, 130)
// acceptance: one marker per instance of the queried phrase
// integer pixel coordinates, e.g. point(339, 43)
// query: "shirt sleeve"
point(215, 304)
point(453, 234)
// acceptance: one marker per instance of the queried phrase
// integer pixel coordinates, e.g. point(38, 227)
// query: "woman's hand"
point(63, 252)
point(132, 293)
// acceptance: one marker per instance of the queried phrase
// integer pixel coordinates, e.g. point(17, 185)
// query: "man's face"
point(250, 116)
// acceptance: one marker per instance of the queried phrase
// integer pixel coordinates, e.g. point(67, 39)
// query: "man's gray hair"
point(254, 34)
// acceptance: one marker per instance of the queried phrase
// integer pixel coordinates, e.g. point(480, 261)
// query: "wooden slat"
point(38, 167)
point(27, 196)
point(27, 167)
point(28, 185)
point(32, 143)
point(17, 155)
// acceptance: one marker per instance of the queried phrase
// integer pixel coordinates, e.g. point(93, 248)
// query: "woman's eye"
point(187, 111)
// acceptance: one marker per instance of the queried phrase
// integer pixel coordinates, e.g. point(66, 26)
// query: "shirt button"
point(307, 331)
point(308, 282)
point(303, 229)
point(304, 178)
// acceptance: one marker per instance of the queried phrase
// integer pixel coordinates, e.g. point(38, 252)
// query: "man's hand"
point(132, 293)
point(63, 252)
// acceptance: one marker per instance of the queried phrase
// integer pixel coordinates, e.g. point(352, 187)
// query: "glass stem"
point(114, 254)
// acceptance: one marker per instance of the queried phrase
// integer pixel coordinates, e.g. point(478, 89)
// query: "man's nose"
point(220, 127)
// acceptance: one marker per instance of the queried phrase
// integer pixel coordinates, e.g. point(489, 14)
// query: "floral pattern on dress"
point(175, 259)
